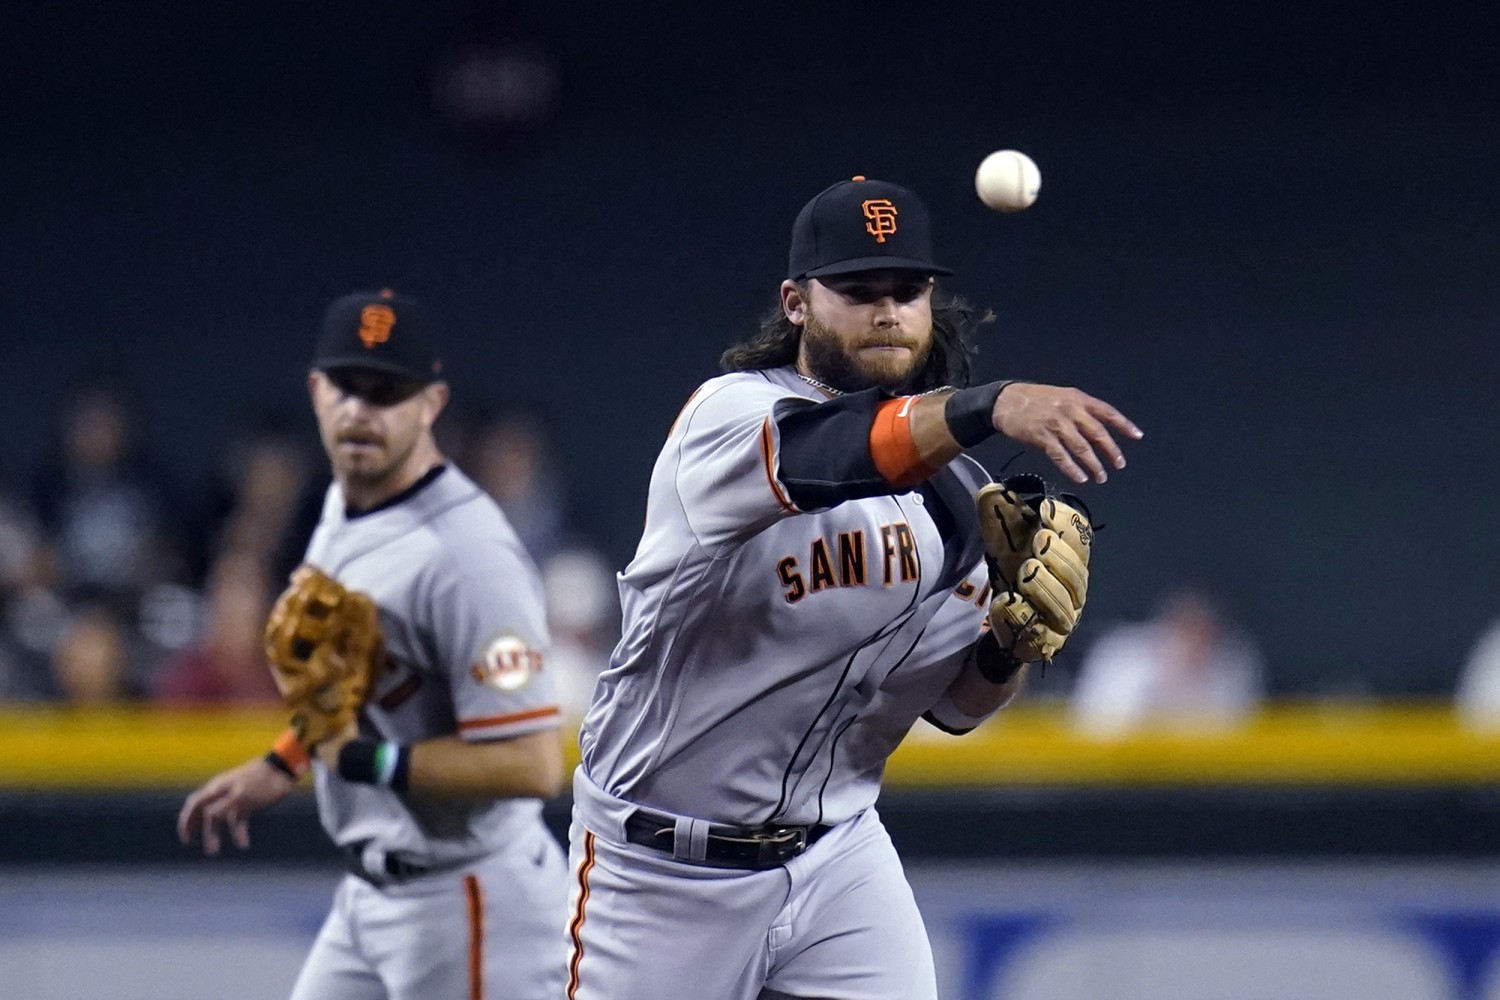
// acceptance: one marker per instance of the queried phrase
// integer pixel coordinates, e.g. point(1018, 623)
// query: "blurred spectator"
point(265, 500)
point(456, 429)
point(1477, 699)
point(23, 564)
point(104, 505)
point(91, 663)
point(227, 664)
point(511, 458)
point(583, 618)
point(1186, 667)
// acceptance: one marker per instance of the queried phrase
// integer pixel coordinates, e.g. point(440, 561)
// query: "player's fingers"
point(187, 819)
point(1103, 411)
point(1055, 450)
point(190, 816)
point(215, 815)
point(210, 836)
point(1082, 452)
point(239, 831)
point(1098, 435)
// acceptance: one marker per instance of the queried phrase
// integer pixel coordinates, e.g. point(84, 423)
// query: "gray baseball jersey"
point(461, 614)
point(771, 660)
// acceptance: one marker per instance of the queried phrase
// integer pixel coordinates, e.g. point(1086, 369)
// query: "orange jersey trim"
point(475, 902)
point(505, 720)
point(575, 926)
point(678, 419)
point(892, 446)
point(765, 454)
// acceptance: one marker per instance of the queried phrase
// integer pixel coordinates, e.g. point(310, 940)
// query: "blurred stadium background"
point(1268, 232)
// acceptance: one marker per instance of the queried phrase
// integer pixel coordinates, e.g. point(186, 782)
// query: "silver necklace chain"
point(820, 385)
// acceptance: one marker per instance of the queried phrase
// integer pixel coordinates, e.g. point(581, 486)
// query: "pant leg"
point(335, 968)
point(487, 932)
point(852, 930)
point(643, 926)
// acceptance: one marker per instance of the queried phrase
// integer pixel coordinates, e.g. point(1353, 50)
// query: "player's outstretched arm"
point(1066, 425)
point(227, 801)
point(860, 445)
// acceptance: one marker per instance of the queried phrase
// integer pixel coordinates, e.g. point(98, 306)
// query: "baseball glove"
point(324, 644)
point(1037, 544)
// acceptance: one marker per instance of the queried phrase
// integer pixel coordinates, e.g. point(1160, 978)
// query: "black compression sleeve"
point(825, 451)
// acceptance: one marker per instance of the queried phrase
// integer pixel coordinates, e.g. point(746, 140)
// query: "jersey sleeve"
point(745, 453)
point(722, 461)
point(491, 638)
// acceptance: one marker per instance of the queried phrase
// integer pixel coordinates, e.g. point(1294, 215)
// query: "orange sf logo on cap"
point(882, 216)
point(375, 324)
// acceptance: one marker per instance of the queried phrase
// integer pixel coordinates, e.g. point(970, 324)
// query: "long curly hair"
point(950, 361)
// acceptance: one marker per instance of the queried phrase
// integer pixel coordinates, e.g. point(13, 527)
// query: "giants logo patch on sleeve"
point(508, 663)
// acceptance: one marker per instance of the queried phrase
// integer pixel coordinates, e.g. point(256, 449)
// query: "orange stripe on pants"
point(476, 937)
point(575, 926)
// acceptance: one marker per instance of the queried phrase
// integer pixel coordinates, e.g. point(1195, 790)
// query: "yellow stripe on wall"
point(1289, 744)
point(1298, 744)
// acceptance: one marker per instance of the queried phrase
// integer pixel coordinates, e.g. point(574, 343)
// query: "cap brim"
point(876, 264)
point(375, 365)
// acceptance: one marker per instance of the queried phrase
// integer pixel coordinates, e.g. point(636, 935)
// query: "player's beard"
point(373, 470)
point(829, 363)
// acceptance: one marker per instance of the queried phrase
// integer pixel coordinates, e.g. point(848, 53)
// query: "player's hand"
point(226, 802)
point(1066, 425)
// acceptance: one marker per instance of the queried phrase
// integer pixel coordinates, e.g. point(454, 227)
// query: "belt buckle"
point(775, 846)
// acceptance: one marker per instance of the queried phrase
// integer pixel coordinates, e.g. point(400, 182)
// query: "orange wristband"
point(893, 448)
point(292, 752)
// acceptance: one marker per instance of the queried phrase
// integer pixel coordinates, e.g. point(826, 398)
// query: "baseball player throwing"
point(408, 647)
point(811, 580)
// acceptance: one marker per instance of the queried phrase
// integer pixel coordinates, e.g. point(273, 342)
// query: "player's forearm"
point(973, 694)
point(986, 682)
point(861, 445)
point(529, 766)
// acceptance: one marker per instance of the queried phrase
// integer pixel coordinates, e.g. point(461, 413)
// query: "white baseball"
point(1007, 180)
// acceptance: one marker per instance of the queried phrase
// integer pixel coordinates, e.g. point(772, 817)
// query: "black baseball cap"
point(380, 331)
point(861, 225)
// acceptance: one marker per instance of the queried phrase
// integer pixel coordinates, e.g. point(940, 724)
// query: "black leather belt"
point(396, 870)
point(727, 846)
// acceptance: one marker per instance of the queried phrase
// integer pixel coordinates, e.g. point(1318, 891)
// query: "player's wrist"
point(996, 663)
point(289, 756)
point(376, 762)
point(970, 413)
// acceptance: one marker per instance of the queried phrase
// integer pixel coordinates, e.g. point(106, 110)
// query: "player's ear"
point(435, 398)
point(794, 302)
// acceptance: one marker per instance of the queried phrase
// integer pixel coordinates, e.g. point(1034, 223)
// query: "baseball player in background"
point(456, 887)
point(810, 581)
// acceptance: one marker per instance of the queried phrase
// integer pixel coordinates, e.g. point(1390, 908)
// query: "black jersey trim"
point(885, 632)
point(428, 477)
point(833, 744)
